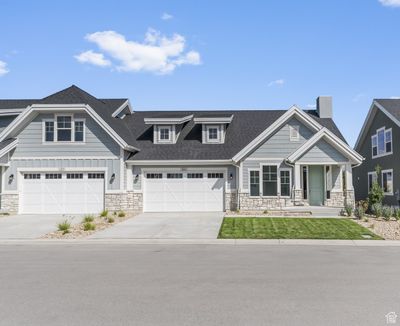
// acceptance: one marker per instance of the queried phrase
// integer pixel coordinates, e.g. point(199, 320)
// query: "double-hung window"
point(254, 183)
point(212, 134)
point(79, 130)
point(387, 182)
point(49, 130)
point(372, 177)
point(382, 142)
point(64, 128)
point(285, 183)
point(270, 180)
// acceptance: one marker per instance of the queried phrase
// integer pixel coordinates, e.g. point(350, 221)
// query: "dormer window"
point(63, 129)
point(213, 134)
point(213, 126)
point(164, 133)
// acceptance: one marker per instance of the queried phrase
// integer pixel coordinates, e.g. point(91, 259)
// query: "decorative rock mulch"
point(77, 232)
point(389, 230)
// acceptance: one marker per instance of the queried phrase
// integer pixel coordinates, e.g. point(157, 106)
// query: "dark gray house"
point(378, 144)
point(71, 152)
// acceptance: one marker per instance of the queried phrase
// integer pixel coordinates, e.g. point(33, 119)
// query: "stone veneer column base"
point(336, 200)
point(231, 203)
point(10, 203)
point(125, 201)
point(261, 203)
point(350, 198)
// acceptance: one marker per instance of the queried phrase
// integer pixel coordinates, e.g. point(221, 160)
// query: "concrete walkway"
point(31, 226)
point(165, 226)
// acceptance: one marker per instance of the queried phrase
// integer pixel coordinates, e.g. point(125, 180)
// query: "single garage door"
point(183, 192)
point(62, 193)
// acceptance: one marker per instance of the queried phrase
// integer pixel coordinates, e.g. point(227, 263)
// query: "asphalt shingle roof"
point(391, 105)
point(245, 126)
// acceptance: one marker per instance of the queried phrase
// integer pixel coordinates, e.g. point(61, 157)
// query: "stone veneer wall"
point(260, 203)
point(10, 203)
point(337, 199)
point(124, 201)
point(231, 203)
point(350, 198)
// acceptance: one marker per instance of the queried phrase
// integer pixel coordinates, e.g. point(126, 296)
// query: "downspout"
point(237, 184)
point(292, 166)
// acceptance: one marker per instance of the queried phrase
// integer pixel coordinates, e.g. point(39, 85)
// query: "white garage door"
point(62, 193)
point(183, 192)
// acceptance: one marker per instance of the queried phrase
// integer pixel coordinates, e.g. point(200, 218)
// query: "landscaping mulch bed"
point(389, 230)
point(77, 232)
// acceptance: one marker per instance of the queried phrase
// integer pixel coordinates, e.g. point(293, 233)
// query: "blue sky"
point(206, 54)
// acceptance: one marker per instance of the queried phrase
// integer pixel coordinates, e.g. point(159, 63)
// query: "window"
point(381, 142)
point(174, 175)
point(255, 183)
point(212, 133)
point(49, 130)
point(64, 128)
point(305, 182)
point(372, 177)
point(154, 175)
point(79, 130)
point(164, 133)
point(32, 176)
point(285, 183)
point(74, 175)
point(270, 181)
point(294, 133)
point(95, 175)
point(53, 175)
point(215, 175)
point(387, 182)
point(195, 175)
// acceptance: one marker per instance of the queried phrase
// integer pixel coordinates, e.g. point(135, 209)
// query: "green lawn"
point(292, 228)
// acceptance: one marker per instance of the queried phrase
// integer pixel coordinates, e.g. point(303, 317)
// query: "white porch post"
point(349, 177)
point(298, 193)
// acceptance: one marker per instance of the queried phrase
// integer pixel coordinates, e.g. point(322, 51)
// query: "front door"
point(316, 178)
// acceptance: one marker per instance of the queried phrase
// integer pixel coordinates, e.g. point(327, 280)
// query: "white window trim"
point(218, 139)
point(170, 138)
point(297, 128)
point(290, 182)
point(388, 171)
point(68, 142)
point(384, 140)
point(259, 183)
point(373, 174)
point(277, 177)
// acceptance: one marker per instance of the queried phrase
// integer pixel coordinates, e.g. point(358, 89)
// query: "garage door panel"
point(183, 194)
point(62, 196)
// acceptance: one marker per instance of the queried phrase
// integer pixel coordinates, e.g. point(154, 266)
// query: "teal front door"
point(316, 179)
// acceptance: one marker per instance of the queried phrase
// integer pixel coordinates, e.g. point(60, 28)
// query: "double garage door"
point(192, 191)
point(62, 193)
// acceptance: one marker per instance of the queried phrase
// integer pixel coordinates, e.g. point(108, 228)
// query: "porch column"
point(298, 192)
point(349, 191)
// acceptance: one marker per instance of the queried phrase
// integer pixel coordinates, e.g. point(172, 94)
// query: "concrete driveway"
point(30, 226)
point(166, 226)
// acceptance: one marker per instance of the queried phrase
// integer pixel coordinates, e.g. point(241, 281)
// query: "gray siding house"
point(73, 153)
point(377, 143)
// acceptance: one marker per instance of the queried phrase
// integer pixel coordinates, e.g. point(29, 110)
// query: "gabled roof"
point(389, 107)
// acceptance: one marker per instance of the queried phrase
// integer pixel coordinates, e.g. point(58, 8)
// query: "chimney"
point(324, 106)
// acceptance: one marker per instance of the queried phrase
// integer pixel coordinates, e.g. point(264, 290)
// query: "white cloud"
point(395, 97)
point(166, 16)
point(390, 3)
point(278, 82)
point(358, 97)
point(157, 53)
point(3, 68)
point(93, 58)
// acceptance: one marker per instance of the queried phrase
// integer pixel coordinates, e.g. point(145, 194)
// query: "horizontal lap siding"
point(111, 165)
point(256, 165)
point(323, 152)
point(97, 142)
point(279, 144)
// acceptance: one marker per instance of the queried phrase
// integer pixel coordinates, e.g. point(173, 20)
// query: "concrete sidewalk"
point(229, 242)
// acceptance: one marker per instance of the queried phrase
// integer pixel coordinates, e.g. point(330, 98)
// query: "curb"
point(234, 242)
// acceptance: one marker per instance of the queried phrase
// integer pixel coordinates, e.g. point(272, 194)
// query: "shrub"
point(64, 226)
point(110, 220)
point(387, 212)
point(121, 214)
point(88, 226)
point(366, 219)
point(396, 213)
point(88, 218)
point(104, 213)
point(343, 212)
point(349, 209)
point(359, 212)
point(364, 204)
point(377, 209)
point(376, 193)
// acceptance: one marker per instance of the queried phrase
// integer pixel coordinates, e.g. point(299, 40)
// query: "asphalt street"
point(125, 284)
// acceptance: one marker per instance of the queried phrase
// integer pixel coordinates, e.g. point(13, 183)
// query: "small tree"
point(376, 193)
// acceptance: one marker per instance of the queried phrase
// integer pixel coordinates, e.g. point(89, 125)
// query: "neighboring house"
point(73, 153)
point(378, 143)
